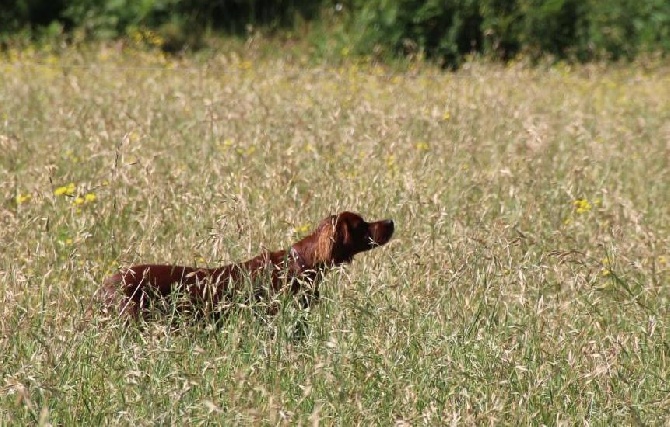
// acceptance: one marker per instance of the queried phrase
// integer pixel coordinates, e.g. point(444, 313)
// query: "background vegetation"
point(446, 31)
point(527, 283)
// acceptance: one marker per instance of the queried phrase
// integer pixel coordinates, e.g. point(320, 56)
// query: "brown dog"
point(297, 270)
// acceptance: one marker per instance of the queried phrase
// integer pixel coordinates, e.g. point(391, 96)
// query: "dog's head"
point(342, 236)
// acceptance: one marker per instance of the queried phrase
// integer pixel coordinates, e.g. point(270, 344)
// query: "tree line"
point(442, 30)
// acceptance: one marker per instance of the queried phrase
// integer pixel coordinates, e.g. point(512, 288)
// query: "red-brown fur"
point(135, 290)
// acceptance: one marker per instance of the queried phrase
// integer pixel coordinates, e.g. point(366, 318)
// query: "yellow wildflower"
point(79, 201)
point(582, 206)
point(23, 198)
point(66, 190)
point(136, 36)
point(422, 146)
point(446, 116)
point(302, 229)
point(152, 38)
point(90, 198)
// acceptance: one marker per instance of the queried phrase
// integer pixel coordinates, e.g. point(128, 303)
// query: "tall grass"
point(528, 281)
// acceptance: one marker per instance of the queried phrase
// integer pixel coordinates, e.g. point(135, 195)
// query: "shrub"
point(448, 30)
point(441, 30)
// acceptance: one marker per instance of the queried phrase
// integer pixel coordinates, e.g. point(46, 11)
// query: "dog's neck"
point(307, 255)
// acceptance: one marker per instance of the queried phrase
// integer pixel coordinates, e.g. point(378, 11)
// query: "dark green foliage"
point(444, 30)
point(534, 27)
point(626, 28)
point(572, 29)
point(112, 18)
point(107, 19)
point(18, 15)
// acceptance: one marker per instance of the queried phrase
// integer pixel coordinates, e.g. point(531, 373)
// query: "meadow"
point(528, 281)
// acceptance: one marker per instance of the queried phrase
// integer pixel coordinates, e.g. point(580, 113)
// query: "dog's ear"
point(342, 233)
point(342, 249)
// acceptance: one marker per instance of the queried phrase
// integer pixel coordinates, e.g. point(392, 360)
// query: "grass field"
point(528, 281)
